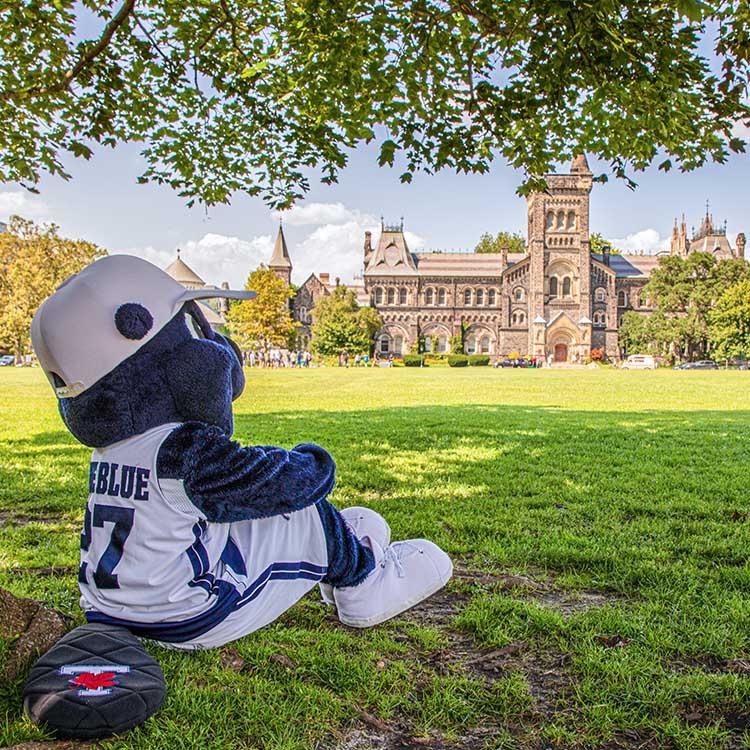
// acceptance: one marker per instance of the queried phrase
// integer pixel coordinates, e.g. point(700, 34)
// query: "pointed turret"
point(181, 272)
point(281, 263)
point(580, 165)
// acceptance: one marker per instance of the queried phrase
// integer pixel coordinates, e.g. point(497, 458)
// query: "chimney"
point(338, 281)
point(741, 245)
point(606, 253)
point(504, 256)
point(325, 279)
point(368, 246)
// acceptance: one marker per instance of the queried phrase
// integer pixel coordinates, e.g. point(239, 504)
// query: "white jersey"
point(152, 562)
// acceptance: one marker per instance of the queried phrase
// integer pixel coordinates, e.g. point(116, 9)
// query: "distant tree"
point(34, 261)
point(515, 242)
point(265, 321)
point(340, 324)
point(729, 322)
point(684, 291)
point(241, 95)
point(597, 244)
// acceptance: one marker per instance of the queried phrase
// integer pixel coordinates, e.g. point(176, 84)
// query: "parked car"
point(701, 364)
point(639, 362)
point(7, 360)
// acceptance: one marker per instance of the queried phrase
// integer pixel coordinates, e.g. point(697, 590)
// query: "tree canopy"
point(729, 322)
point(34, 261)
point(683, 292)
point(339, 324)
point(255, 96)
point(597, 244)
point(265, 321)
point(515, 242)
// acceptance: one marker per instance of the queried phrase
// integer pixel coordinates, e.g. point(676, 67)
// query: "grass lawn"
point(600, 526)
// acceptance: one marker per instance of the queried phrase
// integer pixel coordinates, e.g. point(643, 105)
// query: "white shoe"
point(405, 574)
point(364, 523)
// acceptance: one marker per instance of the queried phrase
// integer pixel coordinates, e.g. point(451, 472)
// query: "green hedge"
point(458, 360)
point(414, 360)
point(478, 360)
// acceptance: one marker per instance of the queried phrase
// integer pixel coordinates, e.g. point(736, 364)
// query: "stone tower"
point(560, 303)
point(741, 245)
point(679, 244)
point(280, 262)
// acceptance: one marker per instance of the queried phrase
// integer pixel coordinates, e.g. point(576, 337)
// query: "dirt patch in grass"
point(8, 518)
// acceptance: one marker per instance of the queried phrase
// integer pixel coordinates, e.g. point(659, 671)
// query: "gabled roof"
point(280, 257)
point(630, 266)
point(392, 256)
point(182, 273)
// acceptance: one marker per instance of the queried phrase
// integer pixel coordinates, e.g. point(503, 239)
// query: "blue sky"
point(104, 204)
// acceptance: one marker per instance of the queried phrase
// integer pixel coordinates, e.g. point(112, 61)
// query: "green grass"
point(600, 524)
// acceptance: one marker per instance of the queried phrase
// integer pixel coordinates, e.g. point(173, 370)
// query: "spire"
point(580, 165)
point(280, 257)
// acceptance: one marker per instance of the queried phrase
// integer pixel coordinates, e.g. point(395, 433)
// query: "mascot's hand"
point(229, 482)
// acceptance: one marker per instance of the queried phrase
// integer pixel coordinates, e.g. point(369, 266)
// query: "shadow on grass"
point(651, 505)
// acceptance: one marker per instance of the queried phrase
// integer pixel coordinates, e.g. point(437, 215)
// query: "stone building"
point(555, 301)
point(708, 239)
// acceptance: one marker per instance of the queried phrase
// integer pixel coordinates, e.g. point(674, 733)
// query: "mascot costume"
point(190, 539)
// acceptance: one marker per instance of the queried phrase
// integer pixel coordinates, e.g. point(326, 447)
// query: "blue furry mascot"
point(191, 539)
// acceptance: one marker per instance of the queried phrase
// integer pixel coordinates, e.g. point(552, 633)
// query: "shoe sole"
point(390, 614)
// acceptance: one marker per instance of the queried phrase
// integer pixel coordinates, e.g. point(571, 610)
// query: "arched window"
point(553, 286)
point(442, 344)
point(600, 318)
point(519, 293)
point(622, 299)
point(566, 286)
point(390, 295)
point(428, 344)
point(550, 219)
point(398, 344)
point(491, 297)
point(467, 296)
point(402, 296)
point(441, 297)
point(480, 296)
point(561, 219)
point(429, 296)
point(471, 345)
point(385, 343)
point(378, 296)
point(303, 314)
point(571, 219)
point(484, 345)
point(600, 295)
point(518, 318)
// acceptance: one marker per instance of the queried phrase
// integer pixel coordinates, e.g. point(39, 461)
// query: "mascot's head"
point(127, 348)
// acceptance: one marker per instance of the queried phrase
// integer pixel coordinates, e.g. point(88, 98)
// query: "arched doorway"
point(561, 352)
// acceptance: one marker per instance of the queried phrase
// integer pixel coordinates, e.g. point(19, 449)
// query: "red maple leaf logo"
point(91, 681)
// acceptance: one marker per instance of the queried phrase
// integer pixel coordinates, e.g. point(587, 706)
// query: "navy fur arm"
point(229, 482)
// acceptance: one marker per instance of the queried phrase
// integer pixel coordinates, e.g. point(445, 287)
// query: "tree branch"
point(63, 84)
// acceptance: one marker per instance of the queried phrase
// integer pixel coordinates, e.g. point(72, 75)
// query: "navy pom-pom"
point(133, 321)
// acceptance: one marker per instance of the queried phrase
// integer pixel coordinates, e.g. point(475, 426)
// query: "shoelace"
point(393, 554)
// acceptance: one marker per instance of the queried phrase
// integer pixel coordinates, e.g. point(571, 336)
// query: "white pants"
point(284, 557)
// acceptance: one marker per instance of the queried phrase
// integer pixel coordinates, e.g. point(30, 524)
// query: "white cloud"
point(312, 214)
point(333, 244)
point(648, 241)
point(215, 257)
point(337, 249)
point(18, 202)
